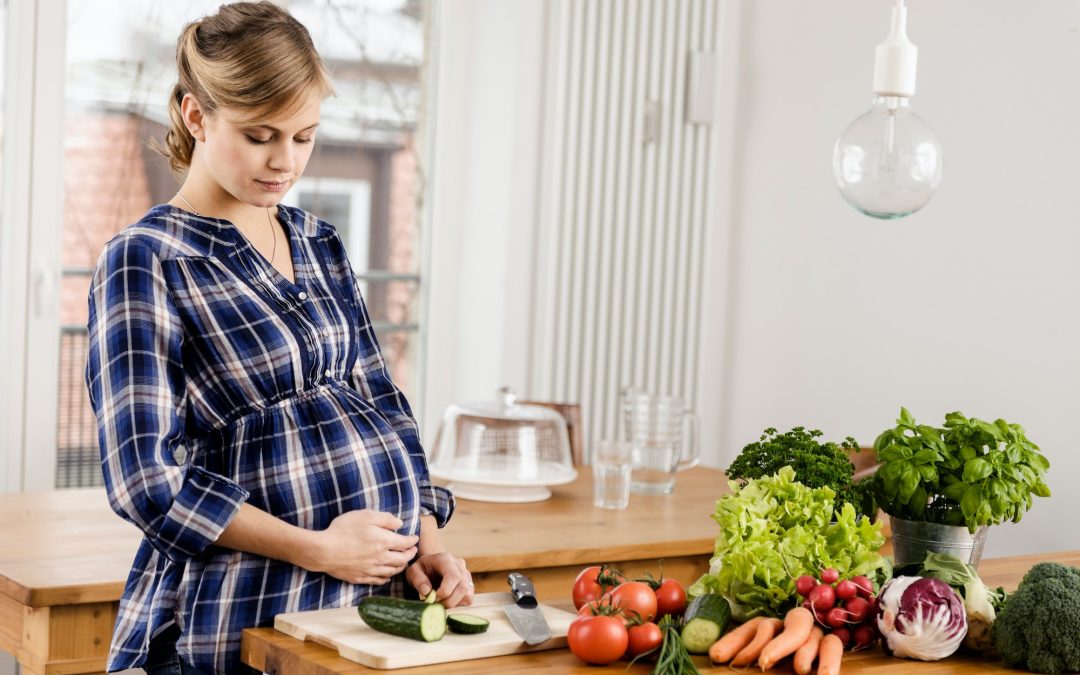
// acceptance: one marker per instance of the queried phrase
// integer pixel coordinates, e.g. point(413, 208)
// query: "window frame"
point(32, 213)
point(31, 226)
point(360, 218)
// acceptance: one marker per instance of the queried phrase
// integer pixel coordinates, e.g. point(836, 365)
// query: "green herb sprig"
point(816, 464)
point(673, 658)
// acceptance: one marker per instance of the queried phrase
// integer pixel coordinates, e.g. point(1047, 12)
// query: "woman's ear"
point(193, 116)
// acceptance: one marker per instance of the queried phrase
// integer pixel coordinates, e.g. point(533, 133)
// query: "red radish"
point(823, 598)
point(846, 589)
point(836, 617)
point(866, 587)
point(805, 584)
point(844, 634)
point(858, 609)
point(865, 635)
point(829, 575)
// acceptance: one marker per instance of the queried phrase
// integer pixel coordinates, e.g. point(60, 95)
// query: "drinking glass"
point(611, 465)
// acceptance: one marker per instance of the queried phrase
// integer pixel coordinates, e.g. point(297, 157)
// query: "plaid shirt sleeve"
point(135, 376)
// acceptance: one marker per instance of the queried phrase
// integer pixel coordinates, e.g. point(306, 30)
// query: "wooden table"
point(276, 653)
point(64, 556)
point(552, 540)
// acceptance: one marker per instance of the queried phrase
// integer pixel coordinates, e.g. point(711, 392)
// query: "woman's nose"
point(282, 157)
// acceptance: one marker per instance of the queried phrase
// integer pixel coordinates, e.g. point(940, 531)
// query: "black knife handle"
point(522, 590)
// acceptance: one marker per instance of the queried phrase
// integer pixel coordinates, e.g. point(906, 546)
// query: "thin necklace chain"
point(273, 233)
point(269, 221)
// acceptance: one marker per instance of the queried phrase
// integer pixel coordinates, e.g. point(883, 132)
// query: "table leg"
point(66, 639)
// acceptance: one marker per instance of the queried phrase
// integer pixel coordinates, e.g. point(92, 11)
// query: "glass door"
point(365, 176)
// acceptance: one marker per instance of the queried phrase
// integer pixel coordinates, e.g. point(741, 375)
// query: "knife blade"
point(525, 614)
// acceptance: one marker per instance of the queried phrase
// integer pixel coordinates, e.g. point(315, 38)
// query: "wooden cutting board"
point(343, 629)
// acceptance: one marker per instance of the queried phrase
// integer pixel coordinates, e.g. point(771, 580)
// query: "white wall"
point(487, 136)
point(972, 304)
point(819, 316)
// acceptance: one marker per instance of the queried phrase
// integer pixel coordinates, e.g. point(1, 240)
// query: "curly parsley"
point(816, 464)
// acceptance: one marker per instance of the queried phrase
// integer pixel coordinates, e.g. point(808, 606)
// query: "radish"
point(866, 587)
point(822, 598)
point(844, 634)
point(865, 635)
point(858, 609)
point(829, 575)
point(846, 589)
point(805, 584)
point(837, 617)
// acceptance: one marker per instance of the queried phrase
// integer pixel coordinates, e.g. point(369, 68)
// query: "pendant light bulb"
point(888, 162)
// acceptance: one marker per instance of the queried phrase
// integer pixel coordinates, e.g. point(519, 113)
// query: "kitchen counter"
point(277, 653)
point(64, 556)
point(552, 540)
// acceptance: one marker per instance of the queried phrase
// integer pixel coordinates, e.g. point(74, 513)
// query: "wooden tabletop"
point(277, 653)
point(68, 547)
point(567, 529)
point(63, 547)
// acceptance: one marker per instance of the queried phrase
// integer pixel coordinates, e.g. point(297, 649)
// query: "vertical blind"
point(624, 207)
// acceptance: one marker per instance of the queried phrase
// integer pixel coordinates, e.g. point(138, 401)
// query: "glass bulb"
point(887, 163)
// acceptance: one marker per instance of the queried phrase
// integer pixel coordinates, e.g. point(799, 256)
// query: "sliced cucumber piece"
point(413, 619)
point(705, 618)
point(467, 624)
point(430, 597)
point(699, 634)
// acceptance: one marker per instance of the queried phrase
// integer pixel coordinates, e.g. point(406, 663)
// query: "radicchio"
point(921, 618)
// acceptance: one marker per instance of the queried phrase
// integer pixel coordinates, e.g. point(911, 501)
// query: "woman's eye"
point(257, 141)
point(305, 140)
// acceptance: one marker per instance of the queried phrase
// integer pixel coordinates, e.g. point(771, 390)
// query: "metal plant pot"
point(913, 539)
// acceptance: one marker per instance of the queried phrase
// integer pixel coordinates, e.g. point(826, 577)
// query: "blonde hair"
point(252, 56)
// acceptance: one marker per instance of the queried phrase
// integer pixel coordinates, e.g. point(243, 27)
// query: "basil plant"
point(970, 472)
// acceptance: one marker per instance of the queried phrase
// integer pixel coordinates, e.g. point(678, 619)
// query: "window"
point(365, 176)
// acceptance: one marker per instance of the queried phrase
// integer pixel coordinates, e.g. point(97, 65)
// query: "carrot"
point(797, 625)
point(805, 655)
point(829, 655)
point(725, 649)
point(765, 632)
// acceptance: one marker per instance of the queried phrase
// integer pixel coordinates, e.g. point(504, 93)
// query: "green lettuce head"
point(775, 529)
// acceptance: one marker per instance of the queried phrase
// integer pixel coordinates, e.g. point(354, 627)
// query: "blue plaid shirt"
point(215, 382)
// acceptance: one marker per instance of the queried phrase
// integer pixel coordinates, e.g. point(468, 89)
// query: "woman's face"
point(256, 161)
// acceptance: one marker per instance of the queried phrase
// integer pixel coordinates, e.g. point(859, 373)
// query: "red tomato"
point(603, 607)
point(599, 640)
point(670, 598)
point(593, 582)
point(635, 598)
point(644, 637)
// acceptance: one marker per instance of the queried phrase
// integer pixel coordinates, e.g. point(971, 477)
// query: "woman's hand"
point(362, 547)
point(444, 572)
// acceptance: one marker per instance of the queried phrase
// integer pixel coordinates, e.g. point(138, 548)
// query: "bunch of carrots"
point(768, 641)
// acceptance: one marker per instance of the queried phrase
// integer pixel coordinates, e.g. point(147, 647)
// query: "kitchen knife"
point(525, 614)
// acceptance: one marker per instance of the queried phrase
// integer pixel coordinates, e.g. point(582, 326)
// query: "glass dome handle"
point(506, 397)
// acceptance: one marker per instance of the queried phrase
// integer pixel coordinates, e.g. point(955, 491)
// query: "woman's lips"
point(271, 186)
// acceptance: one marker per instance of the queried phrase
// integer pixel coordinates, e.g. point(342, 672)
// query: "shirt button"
point(302, 295)
point(328, 373)
point(326, 332)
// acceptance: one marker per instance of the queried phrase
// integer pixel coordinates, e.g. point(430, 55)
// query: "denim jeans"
point(162, 658)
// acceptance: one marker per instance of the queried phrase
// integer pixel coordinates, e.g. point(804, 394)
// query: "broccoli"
point(1039, 626)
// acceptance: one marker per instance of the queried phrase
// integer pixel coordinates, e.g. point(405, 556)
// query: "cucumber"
point(705, 620)
point(430, 597)
point(415, 619)
point(467, 624)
